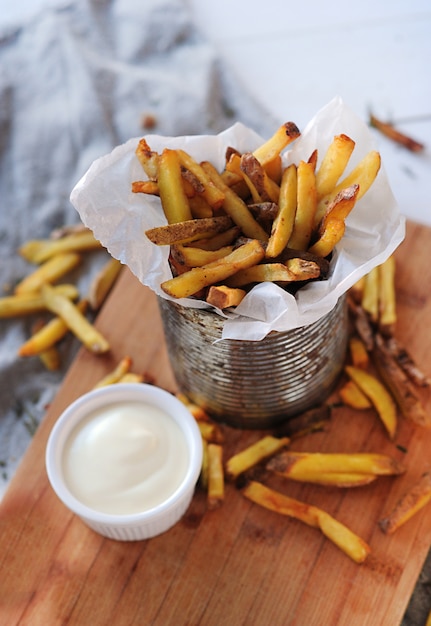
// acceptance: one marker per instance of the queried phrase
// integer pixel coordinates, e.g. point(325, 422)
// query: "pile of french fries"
point(256, 220)
point(40, 293)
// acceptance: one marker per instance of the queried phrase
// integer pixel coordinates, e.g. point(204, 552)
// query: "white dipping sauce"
point(125, 458)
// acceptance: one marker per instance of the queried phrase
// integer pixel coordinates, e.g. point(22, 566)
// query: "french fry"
point(338, 469)
point(333, 164)
point(392, 133)
point(352, 396)
point(210, 431)
point(148, 159)
point(271, 272)
point(203, 477)
point(29, 303)
point(223, 297)
point(358, 353)
point(400, 386)
point(312, 420)
point(364, 174)
point(189, 230)
point(195, 279)
point(196, 257)
point(215, 242)
point(150, 187)
point(370, 298)
point(74, 319)
point(269, 151)
point(409, 504)
point(39, 250)
point(283, 223)
point(341, 205)
point(131, 377)
point(387, 296)
point(50, 357)
point(306, 207)
point(406, 362)
point(212, 194)
point(378, 395)
point(267, 189)
point(352, 545)
point(102, 283)
point(200, 207)
point(174, 200)
point(48, 335)
point(235, 207)
point(116, 374)
point(48, 272)
point(216, 487)
point(362, 324)
point(254, 454)
point(331, 235)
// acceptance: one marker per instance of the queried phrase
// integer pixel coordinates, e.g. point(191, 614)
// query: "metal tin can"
point(254, 384)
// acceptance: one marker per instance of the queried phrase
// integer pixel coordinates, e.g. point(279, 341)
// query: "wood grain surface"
point(239, 564)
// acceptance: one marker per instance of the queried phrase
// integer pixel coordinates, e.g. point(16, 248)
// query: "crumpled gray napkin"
point(75, 81)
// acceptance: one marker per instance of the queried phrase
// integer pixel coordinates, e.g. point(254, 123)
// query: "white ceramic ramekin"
point(153, 521)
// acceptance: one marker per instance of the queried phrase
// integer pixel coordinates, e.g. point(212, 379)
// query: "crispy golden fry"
point(223, 297)
point(358, 353)
point(196, 257)
point(200, 207)
point(148, 159)
point(411, 502)
point(406, 362)
point(212, 193)
point(267, 189)
point(379, 396)
point(392, 133)
point(29, 303)
point(215, 493)
point(341, 205)
point(48, 335)
point(234, 167)
point(364, 174)
point(333, 164)
point(50, 357)
point(271, 272)
point(173, 197)
point(197, 278)
point(254, 454)
point(387, 296)
point(271, 149)
point(150, 187)
point(131, 377)
point(306, 207)
point(303, 269)
point(235, 207)
point(49, 272)
point(39, 250)
point(116, 374)
point(102, 283)
point(340, 535)
point(318, 467)
point(282, 226)
point(351, 395)
point(218, 241)
point(75, 320)
point(370, 298)
point(312, 159)
point(400, 386)
point(189, 230)
point(332, 234)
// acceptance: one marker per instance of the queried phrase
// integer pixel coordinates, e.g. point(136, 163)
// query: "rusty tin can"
point(254, 384)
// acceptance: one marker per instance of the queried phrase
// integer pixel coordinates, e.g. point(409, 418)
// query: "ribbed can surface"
point(254, 384)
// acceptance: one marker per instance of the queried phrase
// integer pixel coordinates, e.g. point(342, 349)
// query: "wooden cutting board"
point(239, 564)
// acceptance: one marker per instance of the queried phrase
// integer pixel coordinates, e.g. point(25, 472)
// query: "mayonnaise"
point(125, 458)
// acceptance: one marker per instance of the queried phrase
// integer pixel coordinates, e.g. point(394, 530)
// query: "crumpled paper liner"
point(119, 219)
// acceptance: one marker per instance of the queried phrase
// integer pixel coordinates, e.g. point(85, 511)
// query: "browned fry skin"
point(392, 133)
point(362, 324)
point(411, 502)
point(406, 362)
point(400, 386)
point(315, 419)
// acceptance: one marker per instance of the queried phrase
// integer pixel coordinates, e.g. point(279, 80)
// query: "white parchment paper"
point(119, 219)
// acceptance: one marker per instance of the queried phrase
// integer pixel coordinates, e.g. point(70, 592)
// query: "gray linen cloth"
point(75, 81)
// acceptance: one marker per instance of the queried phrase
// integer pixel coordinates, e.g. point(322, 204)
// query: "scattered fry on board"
point(409, 504)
